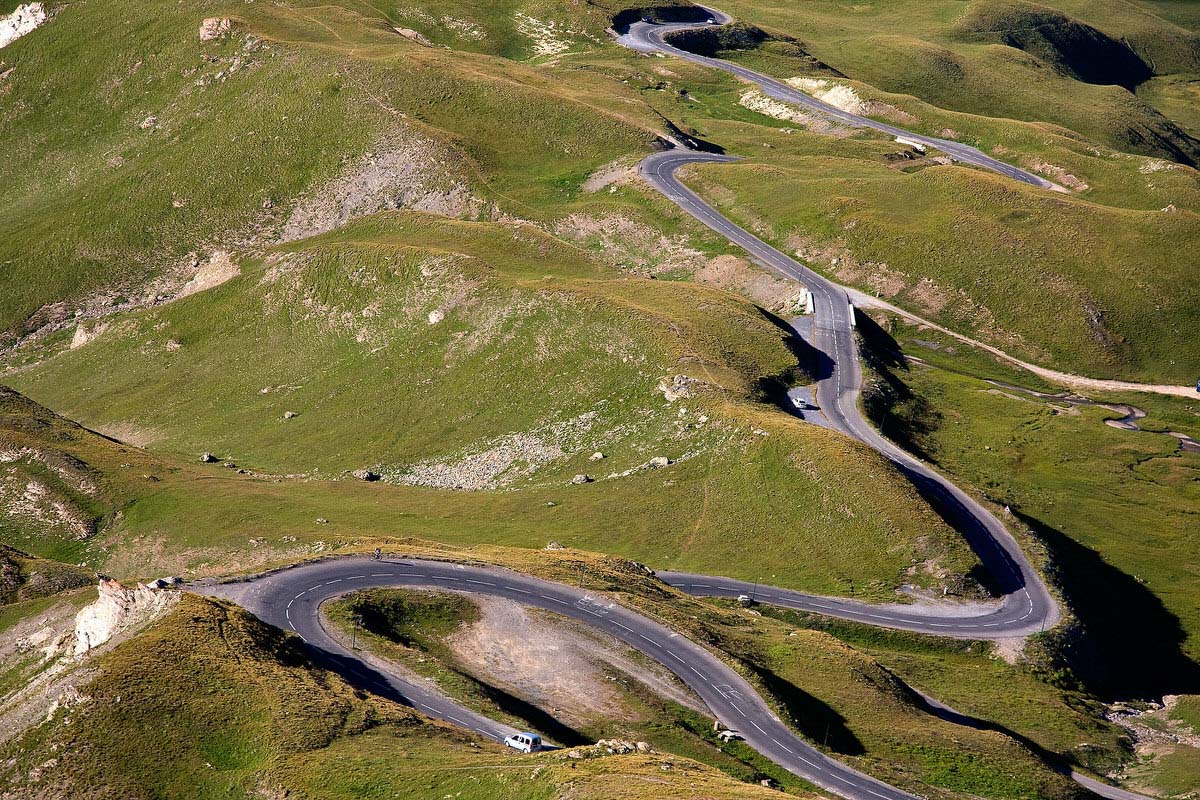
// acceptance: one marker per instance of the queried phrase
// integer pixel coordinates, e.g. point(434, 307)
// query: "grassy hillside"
point(1061, 281)
point(712, 511)
point(23, 577)
point(194, 145)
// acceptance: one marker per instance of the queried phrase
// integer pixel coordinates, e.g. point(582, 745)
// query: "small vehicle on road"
point(524, 742)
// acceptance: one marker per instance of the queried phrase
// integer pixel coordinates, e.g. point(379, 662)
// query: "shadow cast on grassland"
point(996, 573)
point(1129, 645)
point(812, 717)
point(900, 414)
point(541, 721)
point(366, 678)
point(811, 363)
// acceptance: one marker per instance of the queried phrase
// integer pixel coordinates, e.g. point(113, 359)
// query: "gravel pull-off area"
point(556, 664)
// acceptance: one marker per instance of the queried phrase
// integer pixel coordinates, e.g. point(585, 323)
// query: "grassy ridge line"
point(901, 235)
point(349, 79)
point(846, 202)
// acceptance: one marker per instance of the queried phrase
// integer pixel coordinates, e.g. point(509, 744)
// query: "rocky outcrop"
point(218, 269)
point(24, 19)
point(680, 387)
point(214, 28)
point(118, 609)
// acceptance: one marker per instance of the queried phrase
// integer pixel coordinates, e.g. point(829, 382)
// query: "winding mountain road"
point(291, 598)
point(1026, 605)
point(650, 37)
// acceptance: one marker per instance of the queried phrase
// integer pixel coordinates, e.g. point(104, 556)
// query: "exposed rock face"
point(83, 334)
point(26, 496)
point(117, 609)
point(24, 19)
point(680, 387)
point(213, 272)
point(407, 170)
point(409, 33)
point(214, 28)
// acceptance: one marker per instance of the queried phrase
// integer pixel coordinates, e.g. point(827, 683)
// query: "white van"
point(524, 742)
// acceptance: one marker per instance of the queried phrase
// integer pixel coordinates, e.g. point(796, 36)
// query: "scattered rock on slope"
point(681, 387)
point(407, 170)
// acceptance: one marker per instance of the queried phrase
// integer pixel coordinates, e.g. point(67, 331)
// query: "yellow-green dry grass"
point(1060, 281)
point(969, 58)
point(1115, 509)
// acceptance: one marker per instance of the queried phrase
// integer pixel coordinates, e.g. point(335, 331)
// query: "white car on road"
point(524, 742)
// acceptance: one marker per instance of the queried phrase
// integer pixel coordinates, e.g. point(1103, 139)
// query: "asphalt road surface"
point(1026, 605)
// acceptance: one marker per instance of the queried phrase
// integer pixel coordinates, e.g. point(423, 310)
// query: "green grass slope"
point(164, 145)
point(1062, 281)
point(716, 511)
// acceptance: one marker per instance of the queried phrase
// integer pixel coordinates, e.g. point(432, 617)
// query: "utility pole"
point(356, 619)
